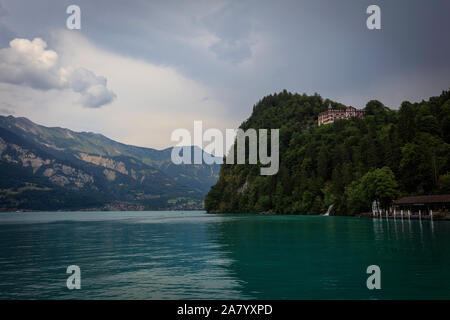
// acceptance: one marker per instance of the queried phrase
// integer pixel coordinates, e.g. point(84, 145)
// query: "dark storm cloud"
point(5, 33)
point(232, 26)
point(259, 47)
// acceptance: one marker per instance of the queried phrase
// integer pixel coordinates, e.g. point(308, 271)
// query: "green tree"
point(444, 183)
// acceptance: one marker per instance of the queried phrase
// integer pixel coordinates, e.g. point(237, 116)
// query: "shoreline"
point(366, 215)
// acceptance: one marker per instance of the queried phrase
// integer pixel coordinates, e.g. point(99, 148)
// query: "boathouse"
point(422, 204)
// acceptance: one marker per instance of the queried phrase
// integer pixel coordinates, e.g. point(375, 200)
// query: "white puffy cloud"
point(29, 63)
point(6, 109)
point(94, 92)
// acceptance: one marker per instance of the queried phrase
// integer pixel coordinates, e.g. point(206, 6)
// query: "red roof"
point(438, 198)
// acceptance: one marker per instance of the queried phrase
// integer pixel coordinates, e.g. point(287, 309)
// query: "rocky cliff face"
point(118, 166)
point(58, 173)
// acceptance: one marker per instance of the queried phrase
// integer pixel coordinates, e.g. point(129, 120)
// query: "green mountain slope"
point(54, 168)
point(347, 163)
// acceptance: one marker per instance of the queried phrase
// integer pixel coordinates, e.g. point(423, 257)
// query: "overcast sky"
point(137, 70)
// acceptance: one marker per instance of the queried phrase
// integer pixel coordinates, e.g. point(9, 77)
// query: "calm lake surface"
point(193, 255)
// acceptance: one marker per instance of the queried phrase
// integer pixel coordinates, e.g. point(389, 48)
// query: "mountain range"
point(45, 168)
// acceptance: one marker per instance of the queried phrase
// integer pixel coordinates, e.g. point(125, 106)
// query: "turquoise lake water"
point(194, 255)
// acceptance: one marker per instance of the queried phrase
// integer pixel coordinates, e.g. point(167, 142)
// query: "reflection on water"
point(298, 257)
point(192, 255)
point(121, 255)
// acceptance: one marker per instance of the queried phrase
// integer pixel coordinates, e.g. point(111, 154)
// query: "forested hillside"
point(349, 163)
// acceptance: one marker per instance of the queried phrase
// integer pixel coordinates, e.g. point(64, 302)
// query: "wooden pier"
point(416, 207)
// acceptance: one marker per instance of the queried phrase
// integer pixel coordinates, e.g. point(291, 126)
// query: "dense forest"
point(349, 163)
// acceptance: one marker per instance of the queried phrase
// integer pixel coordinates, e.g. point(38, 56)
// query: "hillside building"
point(332, 114)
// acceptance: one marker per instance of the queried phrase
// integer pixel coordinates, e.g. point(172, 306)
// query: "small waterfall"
point(376, 211)
point(329, 210)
